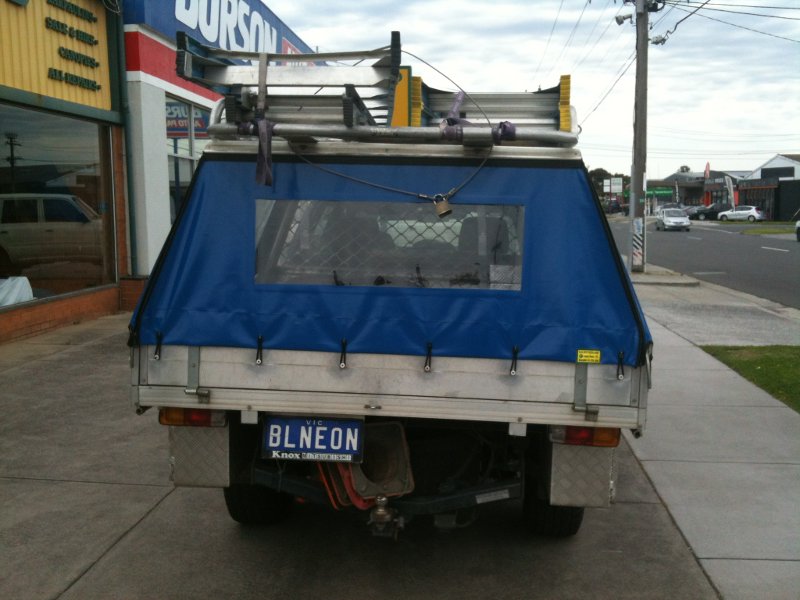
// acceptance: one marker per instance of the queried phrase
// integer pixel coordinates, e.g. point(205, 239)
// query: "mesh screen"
point(388, 243)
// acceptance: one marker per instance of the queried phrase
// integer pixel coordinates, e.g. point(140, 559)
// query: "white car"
point(742, 213)
point(672, 218)
point(37, 229)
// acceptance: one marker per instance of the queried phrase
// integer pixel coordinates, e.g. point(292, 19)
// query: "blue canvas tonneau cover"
point(575, 294)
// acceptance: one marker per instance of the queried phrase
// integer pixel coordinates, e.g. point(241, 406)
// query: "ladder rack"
point(304, 97)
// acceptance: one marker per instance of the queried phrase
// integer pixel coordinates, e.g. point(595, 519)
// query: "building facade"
point(100, 139)
point(169, 115)
point(63, 240)
point(774, 187)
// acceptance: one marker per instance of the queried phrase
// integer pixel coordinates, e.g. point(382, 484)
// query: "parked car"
point(690, 210)
point(672, 218)
point(742, 213)
point(614, 207)
point(45, 228)
point(709, 213)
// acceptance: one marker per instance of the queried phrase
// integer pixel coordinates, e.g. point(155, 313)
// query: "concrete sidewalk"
point(723, 455)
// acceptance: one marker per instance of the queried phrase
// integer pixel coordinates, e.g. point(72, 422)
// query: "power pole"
point(638, 253)
point(12, 160)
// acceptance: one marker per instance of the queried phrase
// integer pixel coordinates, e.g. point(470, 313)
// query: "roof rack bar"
point(473, 135)
point(290, 76)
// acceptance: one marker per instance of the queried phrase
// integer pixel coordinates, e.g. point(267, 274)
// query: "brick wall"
point(32, 318)
point(130, 289)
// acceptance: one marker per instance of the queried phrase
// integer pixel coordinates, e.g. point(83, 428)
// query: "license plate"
point(308, 438)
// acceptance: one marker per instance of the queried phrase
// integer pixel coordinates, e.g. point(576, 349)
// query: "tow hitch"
point(385, 521)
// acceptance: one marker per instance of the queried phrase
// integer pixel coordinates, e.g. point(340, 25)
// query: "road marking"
point(775, 249)
point(691, 237)
point(710, 273)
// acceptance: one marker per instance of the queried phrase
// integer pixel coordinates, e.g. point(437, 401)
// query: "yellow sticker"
point(588, 356)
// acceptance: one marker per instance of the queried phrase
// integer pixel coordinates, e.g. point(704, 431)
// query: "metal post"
point(638, 253)
point(12, 160)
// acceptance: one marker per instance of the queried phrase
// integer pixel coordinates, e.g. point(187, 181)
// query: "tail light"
point(603, 437)
point(192, 417)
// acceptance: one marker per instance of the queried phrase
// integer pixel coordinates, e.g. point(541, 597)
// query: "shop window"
point(187, 135)
point(56, 215)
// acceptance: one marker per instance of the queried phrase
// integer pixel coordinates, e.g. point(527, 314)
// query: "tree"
point(597, 176)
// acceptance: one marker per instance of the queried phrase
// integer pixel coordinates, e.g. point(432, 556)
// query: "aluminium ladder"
point(304, 97)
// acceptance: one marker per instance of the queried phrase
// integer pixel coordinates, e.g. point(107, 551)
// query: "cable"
point(780, 37)
point(632, 59)
point(689, 3)
point(600, 37)
point(671, 31)
point(569, 40)
point(549, 37)
point(402, 191)
point(736, 12)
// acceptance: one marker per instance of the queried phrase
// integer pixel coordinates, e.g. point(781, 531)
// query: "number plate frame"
point(313, 439)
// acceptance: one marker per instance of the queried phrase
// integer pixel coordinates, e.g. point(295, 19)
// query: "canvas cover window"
point(348, 243)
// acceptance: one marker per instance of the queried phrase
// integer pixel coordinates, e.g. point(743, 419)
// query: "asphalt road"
point(763, 265)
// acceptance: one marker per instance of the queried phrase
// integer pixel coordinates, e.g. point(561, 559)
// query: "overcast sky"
point(727, 93)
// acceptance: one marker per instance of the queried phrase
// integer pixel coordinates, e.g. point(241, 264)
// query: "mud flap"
point(199, 456)
point(581, 475)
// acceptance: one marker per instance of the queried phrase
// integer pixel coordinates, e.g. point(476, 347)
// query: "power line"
point(569, 39)
point(689, 3)
point(632, 58)
point(549, 37)
point(600, 37)
point(780, 37)
point(737, 12)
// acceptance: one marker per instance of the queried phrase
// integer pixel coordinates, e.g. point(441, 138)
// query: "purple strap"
point(264, 163)
point(504, 131)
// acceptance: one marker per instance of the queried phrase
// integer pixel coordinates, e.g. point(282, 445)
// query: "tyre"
point(538, 515)
point(541, 518)
point(723, 218)
point(701, 217)
point(751, 218)
point(255, 505)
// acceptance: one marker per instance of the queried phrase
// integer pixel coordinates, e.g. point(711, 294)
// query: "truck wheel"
point(541, 518)
point(255, 505)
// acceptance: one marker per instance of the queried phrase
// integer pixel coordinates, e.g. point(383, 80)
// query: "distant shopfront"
point(62, 201)
point(760, 193)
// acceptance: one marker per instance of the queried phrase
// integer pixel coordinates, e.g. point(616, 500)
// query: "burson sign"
point(230, 24)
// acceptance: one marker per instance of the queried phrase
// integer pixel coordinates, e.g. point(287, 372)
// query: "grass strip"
point(775, 369)
point(768, 230)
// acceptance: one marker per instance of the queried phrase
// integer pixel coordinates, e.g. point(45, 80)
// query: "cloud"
point(716, 92)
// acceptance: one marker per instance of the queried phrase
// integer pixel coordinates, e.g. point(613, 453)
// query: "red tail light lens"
point(602, 437)
point(192, 417)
